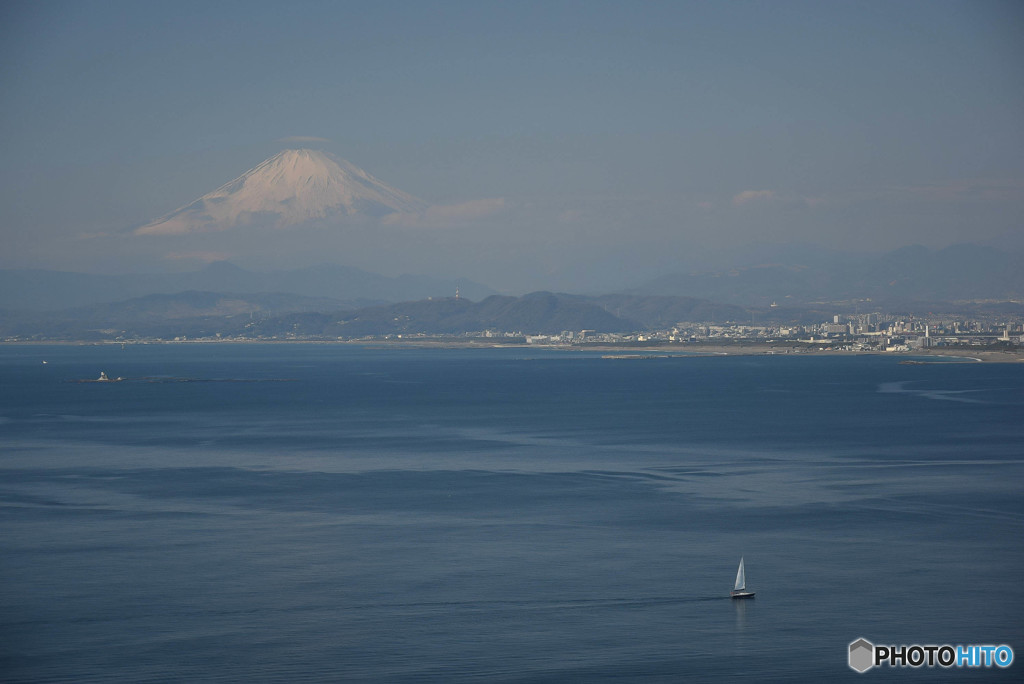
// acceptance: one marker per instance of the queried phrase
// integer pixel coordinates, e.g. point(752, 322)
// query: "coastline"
point(919, 356)
point(608, 351)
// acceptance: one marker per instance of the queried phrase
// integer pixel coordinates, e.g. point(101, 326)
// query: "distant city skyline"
point(589, 145)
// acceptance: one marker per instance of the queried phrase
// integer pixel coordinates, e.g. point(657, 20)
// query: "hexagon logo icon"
point(862, 655)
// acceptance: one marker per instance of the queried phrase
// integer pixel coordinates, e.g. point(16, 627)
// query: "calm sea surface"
point(331, 513)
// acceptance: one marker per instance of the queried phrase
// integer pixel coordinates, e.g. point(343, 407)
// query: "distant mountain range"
point(351, 287)
point(195, 314)
point(206, 314)
point(336, 301)
point(901, 278)
point(959, 273)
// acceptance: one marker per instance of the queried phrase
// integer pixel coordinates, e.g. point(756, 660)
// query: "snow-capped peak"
point(290, 188)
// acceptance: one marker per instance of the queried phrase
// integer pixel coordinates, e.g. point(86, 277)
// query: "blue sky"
point(625, 138)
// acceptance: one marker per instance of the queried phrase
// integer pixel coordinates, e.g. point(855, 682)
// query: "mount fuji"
point(291, 188)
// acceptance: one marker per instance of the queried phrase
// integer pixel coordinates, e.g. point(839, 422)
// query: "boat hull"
point(741, 594)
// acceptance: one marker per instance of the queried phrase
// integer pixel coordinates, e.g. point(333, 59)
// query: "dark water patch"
point(482, 493)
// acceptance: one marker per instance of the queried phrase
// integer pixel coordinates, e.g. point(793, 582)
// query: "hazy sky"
point(621, 138)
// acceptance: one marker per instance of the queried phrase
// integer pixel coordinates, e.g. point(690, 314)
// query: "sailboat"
point(740, 590)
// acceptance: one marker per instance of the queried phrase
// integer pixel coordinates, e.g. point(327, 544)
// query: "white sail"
point(741, 578)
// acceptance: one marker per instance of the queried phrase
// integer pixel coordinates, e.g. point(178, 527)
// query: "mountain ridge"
point(199, 314)
point(963, 272)
point(52, 290)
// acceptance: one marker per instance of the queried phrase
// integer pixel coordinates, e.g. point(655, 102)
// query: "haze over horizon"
point(561, 145)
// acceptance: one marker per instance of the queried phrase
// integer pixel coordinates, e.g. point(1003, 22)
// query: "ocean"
point(335, 513)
